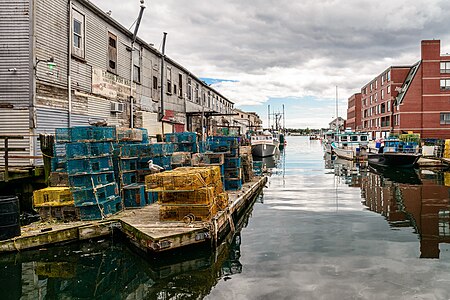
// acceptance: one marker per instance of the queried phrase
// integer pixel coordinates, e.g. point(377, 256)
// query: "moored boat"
point(263, 145)
point(395, 153)
point(350, 145)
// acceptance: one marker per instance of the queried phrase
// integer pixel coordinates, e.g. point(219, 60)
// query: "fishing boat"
point(263, 144)
point(327, 138)
point(350, 145)
point(395, 153)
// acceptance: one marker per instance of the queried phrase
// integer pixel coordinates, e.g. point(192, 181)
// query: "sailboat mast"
point(337, 112)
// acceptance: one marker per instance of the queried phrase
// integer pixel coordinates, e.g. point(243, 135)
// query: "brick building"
point(410, 98)
point(377, 98)
point(354, 112)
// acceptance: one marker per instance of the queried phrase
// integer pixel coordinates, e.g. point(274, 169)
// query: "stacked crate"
point(135, 162)
point(446, 153)
point(55, 202)
point(209, 159)
point(188, 193)
point(258, 168)
point(91, 171)
point(183, 141)
point(229, 146)
point(247, 163)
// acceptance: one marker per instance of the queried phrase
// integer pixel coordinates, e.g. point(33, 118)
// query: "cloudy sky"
point(288, 52)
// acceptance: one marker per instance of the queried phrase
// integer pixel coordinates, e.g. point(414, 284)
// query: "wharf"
point(433, 162)
point(141, 227)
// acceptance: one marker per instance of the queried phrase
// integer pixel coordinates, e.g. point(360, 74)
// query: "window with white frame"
point(388, 75)
point(445, 66)
point(445, 118)
point(388, 89)
point(78, 31)
point(388, 106)
point(445, 84)
point(382, 94)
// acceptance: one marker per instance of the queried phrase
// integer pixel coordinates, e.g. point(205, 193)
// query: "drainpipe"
point(163, 57)
point(136, 28)
point(33, 61)
point(69, 66)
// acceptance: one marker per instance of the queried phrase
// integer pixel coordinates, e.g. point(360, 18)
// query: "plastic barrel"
point(9, 217)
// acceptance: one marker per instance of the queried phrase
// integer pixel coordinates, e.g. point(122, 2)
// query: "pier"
point(141, 226)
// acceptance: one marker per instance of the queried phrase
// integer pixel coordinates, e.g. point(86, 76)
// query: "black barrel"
point(9, 217)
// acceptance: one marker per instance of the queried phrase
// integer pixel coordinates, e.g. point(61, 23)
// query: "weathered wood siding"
point(15, 75)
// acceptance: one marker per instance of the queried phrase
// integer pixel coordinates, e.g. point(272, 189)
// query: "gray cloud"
point(318, 44)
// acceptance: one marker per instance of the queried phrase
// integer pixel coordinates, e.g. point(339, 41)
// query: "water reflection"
point(109, 269)
point(405, 198)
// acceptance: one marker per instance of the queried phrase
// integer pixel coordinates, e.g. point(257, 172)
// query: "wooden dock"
point(141, 227)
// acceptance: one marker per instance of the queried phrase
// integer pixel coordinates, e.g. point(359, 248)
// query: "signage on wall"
point(110, 85)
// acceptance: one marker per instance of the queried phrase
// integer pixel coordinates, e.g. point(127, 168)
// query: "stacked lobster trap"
point(188, 193)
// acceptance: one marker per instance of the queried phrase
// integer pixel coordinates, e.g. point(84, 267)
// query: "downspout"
point(32, 110)
point(163, 56)
point(69, 65)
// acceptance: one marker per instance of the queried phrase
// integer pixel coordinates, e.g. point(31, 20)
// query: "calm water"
point(324, 229)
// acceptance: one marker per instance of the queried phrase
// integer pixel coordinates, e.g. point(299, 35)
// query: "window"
point(388, 89)
point(388, 76)
point(137, 65)
point(445, 66)
point(155, 82)
point(445, 84)
point(180, 84)
point(382, 94)
point(189, 90)
point(388, 105)
point(196, 96)
point(445, 118)
point(78, 34)
point(112, 53)
point(376, 84)
point(169, 80)
point(444, 223)
point(371, 86)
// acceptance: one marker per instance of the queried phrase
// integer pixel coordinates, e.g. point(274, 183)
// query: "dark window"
point(112, 53)
point(155, 82)
point(180, 84)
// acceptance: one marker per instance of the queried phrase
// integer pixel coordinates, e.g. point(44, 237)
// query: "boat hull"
point(344, 153)
point(398, 160)
point(263, 150)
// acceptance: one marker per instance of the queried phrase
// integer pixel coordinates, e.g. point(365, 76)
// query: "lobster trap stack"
point(229, 146)
point(188, 193)
point(183, 141)
point(135, 161)
point(90, 167)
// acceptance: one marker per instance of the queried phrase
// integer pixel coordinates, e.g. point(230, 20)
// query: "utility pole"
point(136, 28)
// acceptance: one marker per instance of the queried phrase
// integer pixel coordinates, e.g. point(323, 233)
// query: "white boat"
point(263, 144)
point(327, 139)
point(350, 145)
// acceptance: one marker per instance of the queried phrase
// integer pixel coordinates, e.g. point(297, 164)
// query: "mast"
point(268, 116)
point(337, 112)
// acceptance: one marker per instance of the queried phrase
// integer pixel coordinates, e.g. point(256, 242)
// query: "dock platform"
point(141, 226)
